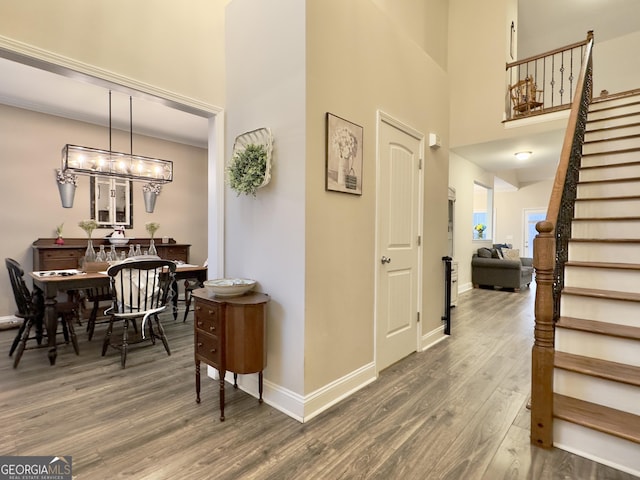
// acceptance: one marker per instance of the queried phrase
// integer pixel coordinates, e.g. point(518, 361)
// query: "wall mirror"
point(111, 202)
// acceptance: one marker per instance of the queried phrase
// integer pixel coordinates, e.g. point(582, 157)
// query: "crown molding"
point(43, 59)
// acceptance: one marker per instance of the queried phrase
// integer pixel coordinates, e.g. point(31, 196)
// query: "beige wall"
point(30, 145)
point(423, 21)
point(176, 48)
point(366, 64)
point(462, 176)
point(510, 207)
point(314, 251)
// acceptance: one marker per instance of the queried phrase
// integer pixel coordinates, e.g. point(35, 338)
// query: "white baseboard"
point(431, 338)
point(304, 408)
point(9, 321)
point(465, 288)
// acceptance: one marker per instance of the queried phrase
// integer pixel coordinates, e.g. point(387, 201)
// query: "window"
point(482, 225)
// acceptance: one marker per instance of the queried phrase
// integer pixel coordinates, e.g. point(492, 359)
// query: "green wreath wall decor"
point(247, 170)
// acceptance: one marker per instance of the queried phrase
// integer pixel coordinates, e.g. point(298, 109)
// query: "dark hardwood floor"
point(456, 411)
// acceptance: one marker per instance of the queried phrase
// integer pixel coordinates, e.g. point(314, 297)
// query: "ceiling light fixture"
point(97, 162)
point(523, 155)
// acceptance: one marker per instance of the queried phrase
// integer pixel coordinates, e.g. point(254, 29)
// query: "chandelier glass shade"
point(93, 161)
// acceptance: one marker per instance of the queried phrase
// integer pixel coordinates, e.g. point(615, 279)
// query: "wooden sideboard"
point(230, 335)
point(47, 255)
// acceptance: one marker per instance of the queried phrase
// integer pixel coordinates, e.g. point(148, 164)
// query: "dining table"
point(48, 284)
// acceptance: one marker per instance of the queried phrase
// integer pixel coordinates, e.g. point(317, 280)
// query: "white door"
point(531, 217)
point(398, 251)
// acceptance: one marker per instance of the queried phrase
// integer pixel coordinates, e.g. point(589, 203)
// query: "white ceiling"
point(542, 26)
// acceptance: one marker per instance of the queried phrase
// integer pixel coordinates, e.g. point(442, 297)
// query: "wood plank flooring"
point(456, 411)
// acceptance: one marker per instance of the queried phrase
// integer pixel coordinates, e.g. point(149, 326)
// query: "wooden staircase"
point(596, 395)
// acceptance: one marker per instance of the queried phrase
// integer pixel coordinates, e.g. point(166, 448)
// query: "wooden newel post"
point(544, 252)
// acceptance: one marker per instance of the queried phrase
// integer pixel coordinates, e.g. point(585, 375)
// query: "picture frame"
point(344, 143)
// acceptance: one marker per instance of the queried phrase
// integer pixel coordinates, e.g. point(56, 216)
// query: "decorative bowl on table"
point(229, 287)
point(118, 241)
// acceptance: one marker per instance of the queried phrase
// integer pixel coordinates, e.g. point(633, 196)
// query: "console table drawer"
point(208, 348)
point(207, 318)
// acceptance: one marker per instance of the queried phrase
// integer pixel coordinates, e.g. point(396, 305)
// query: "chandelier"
point(93, 161)
point(97, 162)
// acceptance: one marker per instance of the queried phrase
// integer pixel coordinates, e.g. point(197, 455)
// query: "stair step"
point(607, 207)
point(606, 145)
point(612, 122)
point(630, 108)
point(623, 277)
point(606, 228)
point(618, 308)
point(603, 419)
point(615, 100)
point(604, 250)
point(609, 133)
point(600, 328)
point(626, 187)
point(616, 171)
point(610, 158)
point(595, 367)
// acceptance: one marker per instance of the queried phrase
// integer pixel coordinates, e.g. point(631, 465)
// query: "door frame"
point(382, 117)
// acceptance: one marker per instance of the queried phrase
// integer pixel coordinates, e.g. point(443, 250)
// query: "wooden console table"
point(230, 335)
point(49, 256)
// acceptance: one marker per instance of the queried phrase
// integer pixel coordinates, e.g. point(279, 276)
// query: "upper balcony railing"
point(544, 83)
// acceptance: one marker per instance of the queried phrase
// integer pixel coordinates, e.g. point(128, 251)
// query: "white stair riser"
point(604, 347)
point(612, 122)
point(621, 110)
point(604, 252)
point(607, 208)
point(623, 130)
point(601, 229)
point(606, 449)
point(611, 145)
point(610, 159)
point(620, 280)
point(610, 173)
point(620, 396)
point(613, 102)
point(617, 312)
point(608, 189)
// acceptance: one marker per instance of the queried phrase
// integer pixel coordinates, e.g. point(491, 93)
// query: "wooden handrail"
point(549, 53)
point(549, 255)
point(565, 154)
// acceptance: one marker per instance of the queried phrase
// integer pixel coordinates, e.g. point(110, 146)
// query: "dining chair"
point(31, 310)
point(191, 284)
point(95, 296)
point(140, 289)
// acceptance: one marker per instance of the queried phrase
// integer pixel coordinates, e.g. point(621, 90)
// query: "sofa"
point(501, 266)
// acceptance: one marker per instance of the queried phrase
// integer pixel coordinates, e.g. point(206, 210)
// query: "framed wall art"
point(344, 156)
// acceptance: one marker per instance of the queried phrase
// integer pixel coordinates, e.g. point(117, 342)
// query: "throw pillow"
point(511, 253)
point(494, 253)
point(500, 246)
point(484, 253)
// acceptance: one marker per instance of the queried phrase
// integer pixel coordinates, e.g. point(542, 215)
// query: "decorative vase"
point(90, 253)
point(149, 201)
point(59, 240)
point(67, 193)
point(481, 234)
point(152, 248)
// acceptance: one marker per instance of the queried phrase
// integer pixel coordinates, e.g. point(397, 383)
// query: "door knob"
point(384, 260)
